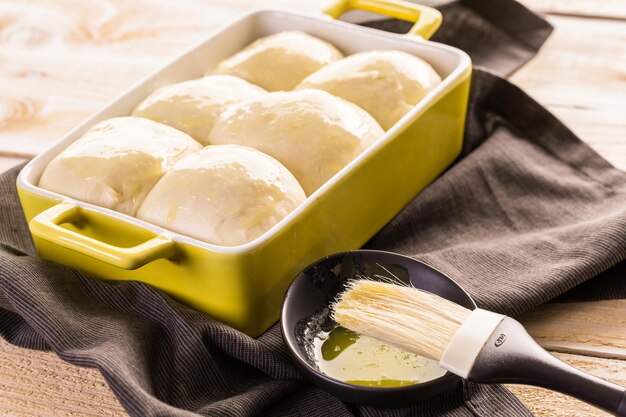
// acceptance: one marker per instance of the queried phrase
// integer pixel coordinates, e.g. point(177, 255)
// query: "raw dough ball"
point(280, 61)
point(192, 106)
point(313, 133)
point(225, 195)
point(117, 162)
point(385, 83)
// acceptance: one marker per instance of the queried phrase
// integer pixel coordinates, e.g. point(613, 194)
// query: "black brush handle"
point(512, 356)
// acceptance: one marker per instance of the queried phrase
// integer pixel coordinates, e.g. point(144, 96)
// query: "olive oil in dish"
point(361, 360)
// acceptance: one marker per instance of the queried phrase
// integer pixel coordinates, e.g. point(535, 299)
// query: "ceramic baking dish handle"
point(427, 20)
point(47, 225)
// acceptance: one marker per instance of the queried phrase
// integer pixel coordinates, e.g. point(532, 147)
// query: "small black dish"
point(317, 286)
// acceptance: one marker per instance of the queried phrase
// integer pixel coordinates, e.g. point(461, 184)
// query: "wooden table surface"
point(62, 60)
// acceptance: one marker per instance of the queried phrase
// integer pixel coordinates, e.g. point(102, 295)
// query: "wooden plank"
point(39, 383)
point(580, 75)
point(61, 61)
point(581, 348)
point(544, 403)
point(591, 328)
point(7, 162)
point(607, 9)
point(59, 75)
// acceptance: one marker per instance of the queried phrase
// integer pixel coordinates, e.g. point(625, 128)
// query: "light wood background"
point(61, 60)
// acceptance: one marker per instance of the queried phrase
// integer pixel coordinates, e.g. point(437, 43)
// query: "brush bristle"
point(403, 316)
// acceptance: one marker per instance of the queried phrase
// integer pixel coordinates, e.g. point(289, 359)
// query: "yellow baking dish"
point(243, 286)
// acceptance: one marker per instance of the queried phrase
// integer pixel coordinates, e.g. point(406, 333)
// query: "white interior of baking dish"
point(450, 63)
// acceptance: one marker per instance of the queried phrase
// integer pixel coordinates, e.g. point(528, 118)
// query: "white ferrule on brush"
point(468, 341)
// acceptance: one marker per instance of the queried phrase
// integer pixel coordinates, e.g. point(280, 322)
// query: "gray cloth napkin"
point(527, 214)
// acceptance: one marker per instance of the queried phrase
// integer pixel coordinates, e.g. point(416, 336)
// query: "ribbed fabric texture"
point(529, 213)
point(525, 216)
point(163, 359)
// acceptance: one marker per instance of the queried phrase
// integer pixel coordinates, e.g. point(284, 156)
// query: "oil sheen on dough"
point(385, 83)
point(226, 195)
point(117, 162)
point(280, 61)
point(192, 106)
point(313, 133)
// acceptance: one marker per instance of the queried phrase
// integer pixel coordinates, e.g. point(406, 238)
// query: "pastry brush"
point(479, 345)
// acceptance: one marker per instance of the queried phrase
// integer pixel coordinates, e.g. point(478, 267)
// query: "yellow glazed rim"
point(427, 20)
point(453, 79)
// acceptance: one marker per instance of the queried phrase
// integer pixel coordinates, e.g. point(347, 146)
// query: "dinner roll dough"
point(192, 106)
point(313, 133)
point(280, 61)
point(117, 162)
point(385, 83)
point(226, 195)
